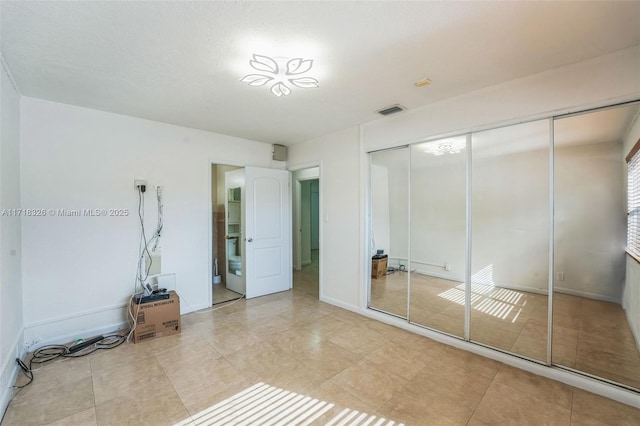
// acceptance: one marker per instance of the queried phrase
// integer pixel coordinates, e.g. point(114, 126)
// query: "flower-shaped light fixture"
point(445, 146)
point(279, 73)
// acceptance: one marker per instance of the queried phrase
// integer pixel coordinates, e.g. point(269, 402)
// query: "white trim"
point(76, 315)
point(587, 295)
point(5, 65)
point(70, 337)
point(343, 305)
point(10, 365)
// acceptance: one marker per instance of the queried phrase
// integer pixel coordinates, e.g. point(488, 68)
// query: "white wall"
point(305, 221)
point(315, 211)
point(587, 83)
point(339, 156)
point(608, 78)
point(11, 317)
point(590, 220)
point(79, 271)
point(631, 290)
point(299, 177)
point(380, 228)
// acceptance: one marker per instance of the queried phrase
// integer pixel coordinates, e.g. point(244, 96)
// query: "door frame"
point(212, 162)
point(295, 215)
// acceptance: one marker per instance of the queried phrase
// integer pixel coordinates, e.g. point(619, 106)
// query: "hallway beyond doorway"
point(306, 280)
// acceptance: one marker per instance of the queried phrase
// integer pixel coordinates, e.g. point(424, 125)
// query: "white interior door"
point(268, 231)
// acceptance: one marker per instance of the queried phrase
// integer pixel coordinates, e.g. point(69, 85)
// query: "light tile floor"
point(222, 294)
point(289, 359)
point(588, 335)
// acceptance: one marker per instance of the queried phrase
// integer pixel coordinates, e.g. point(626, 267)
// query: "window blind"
point(633, 201)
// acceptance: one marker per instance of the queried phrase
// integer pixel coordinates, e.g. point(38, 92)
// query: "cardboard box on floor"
point(156, 319)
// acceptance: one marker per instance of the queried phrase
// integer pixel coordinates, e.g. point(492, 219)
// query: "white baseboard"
point(84, 334)
point(9, 372)
point(587, 295)
point(563, 290)
point(340, 304)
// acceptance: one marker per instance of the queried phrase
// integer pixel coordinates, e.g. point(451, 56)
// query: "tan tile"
point(360, 341)
point(565, 346)
point(461, 385)
point(399, 359)
point(53, 374)
point(46, 406)
point(424, 408)
point(297, 377)
point(302, 315)
point(370, 383)
point(231, 339)
point(201, 403)
point(532, 342)
point(455, 359)
point(154, 402)
point(327, 359)
point(125, 379)
point(191, 351)
point(261, 358)
point(546, 389)
point(506, 405)
point(604, 410)
point(489, 335)
point(424, 345)
point(199, 386)
point(326, 326)
point(123, 354)
point(294, 340)
point(83, 418)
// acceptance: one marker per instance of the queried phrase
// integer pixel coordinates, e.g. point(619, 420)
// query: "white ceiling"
point(181, 62)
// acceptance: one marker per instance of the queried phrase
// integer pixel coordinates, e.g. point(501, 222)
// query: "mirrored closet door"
point(595, 282)
point(510, 238)
point(438, 222)
point(389, 197)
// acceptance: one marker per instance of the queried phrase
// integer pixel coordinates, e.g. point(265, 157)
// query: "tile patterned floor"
point(289, 359)
point(588, 335)
point(221, 294)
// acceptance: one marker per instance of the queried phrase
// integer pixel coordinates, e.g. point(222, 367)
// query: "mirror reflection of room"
point(438, 242)
point(510, 238)
point(389, 231)
point(534, 206)
point(596, 312)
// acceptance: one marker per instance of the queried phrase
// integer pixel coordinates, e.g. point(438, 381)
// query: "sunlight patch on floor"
point(262, 404)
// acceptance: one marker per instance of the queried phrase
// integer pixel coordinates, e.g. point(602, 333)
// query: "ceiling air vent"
point(393, 109)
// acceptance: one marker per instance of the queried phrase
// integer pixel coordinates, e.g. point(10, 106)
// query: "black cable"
point(144, 238)
point(50, 352)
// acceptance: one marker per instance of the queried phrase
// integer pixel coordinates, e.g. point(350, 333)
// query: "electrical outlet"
point(31, 343)
point(137, 183)
point(447, 267)
point(560, 276)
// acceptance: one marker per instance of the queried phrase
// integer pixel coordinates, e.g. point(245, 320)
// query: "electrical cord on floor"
point(78, 349)
point(223, 305)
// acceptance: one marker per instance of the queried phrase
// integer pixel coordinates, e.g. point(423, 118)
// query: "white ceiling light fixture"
point(280, 74)
point(445, 146)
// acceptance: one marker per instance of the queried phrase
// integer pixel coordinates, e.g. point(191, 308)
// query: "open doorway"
point(225, 246)
point(306, 205)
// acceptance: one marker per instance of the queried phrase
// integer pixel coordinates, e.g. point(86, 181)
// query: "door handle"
point(250, 240)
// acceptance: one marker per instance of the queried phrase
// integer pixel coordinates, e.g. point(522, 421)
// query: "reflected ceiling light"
point(445, 146)
point(280, 74)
